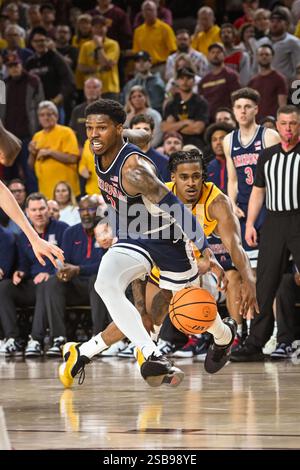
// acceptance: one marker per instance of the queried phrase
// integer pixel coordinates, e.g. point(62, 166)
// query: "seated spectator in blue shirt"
point(216, 169)
point(28, 281)
point(143, 121)
point(17, 187)
point(7, 253)
point(7, 258)
point(73, 283)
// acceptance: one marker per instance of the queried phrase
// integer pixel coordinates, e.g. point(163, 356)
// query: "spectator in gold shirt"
point(155, 37)
point(99, 58)
point(206, 32)
point(54, 152)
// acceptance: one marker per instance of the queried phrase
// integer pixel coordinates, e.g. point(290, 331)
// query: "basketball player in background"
point(10, 146)
point(128, 180)
point(242, 148)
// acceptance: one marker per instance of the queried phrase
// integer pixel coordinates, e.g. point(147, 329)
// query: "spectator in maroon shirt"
point(270, 84)
point(235, 58)
point(119, 27)
point(24, 91)
point(217, 85)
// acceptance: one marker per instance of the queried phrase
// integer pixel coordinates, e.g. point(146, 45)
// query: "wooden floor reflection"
point(245, 406)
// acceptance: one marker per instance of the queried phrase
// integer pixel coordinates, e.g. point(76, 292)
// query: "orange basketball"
point(192, 310)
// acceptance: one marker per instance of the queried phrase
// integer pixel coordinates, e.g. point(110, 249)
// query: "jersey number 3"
point(249, 175)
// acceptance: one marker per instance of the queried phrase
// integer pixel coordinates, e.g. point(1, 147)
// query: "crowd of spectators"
point(173, 65)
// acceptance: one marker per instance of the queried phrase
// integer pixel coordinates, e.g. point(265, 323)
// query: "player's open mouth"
point(97, 145)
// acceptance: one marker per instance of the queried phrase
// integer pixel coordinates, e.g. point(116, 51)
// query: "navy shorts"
point(252, 253)
point(174, 258)
point(220, 252)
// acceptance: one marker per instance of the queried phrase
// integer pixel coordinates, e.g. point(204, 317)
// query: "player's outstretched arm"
point(229, 230)
point(40, 247)
point(256, 202)
point(10, 146)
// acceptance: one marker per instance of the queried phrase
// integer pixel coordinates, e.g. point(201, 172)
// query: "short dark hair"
point(35, 197)
point(228, 25)
point(190, 156)
point(217, 126)
point(47, 6)
point(182, 31)
point(142, 118)
point(288, 109)
point(110, 108)
point(267, 46)
point(16, 180)
point(38, 30)
point(224, 109)
point(268, 119)
point(246, 93)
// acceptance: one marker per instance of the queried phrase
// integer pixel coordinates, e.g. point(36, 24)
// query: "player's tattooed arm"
point(139, 177)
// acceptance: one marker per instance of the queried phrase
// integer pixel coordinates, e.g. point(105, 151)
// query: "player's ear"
point(119, 129)
point(173, 177)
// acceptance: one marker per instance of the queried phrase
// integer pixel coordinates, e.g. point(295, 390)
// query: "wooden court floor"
point(245, 406)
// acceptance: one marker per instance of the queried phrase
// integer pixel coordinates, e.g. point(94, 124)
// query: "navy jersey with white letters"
point(135, 214)
point(149, 234)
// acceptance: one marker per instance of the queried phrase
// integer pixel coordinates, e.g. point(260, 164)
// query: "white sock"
point(154, 335)
point(117, 270)
point(275, 329)
point(94, 346)
point(240, 329)
point(222, 333)
point(248, 326)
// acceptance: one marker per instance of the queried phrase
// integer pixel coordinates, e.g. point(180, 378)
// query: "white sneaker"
point(127, 352)
point(56, 348)
point(270, 346)
point(11, 348)
point(165, 347)
point(295, 356)
point(33, 348)
point(114, 349)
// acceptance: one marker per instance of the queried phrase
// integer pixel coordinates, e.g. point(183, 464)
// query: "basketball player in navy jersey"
point(10, 146)
point(128, 180)
point(242, 148)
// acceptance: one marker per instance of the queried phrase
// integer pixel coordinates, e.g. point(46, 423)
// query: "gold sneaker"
point(74, 364)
